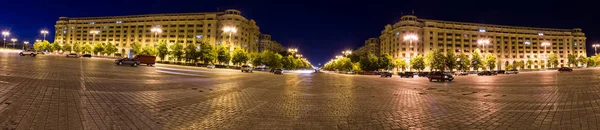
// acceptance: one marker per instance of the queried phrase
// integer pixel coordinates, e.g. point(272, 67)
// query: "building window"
point(118, 22)
point(92, 23)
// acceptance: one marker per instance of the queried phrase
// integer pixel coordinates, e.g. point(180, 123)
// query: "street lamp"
point(298, 55)
point(5, 33)
point(347, 52)
point(545, 44)
point(94, 33)
point(14, 40)
point(230, 30)
point(410, 38)
point(338, 56)
point(38, 40)
point(293, 50)
point(44, 32)
point(595, 48)
point(483, 43)
point(156, 30)
point(26, 44)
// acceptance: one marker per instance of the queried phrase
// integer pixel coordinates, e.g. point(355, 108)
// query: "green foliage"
point(110, 48)
point(288, 62)
point(418, 63)
point(400, 64)
point(509, 67)
point(77, 47)
point(271, 59)
point(191, 53)
point(136, 48)
point(439, 60)
point(428, 59)
point(490, 61)
point(240, 57)
point(98, 48)
point(582, 60)
point(176, 51)
point(476, 60)
point(529, 63)
point(463, 62)
point(54, 47)
point(163, 50)
point(148, 50)
point(87, 48)
point(385, 62)
point(519, 64)
point(223, 55)
point(256, 59)
point(369, 62)
point(207, 53)
point(572, 59)
point(552, 60)
point(41, 46)
point(343, 64)
point(67, 48)
point(450, 61)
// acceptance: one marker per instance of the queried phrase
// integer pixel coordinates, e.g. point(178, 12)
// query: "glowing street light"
point(299, 55)
point(94, 33)
point(347, 52)
point(14, 40)
point(595, 47)
point(44, 32)
point(229, 30)
point(26, 44)
point(545, 44)
point(156, 30)
point(5, 33)
point(483, 43)
point(38, 40)
point(410, 38)
point(338, 56)
point(293, 50)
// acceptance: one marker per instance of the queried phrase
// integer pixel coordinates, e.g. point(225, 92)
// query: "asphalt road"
point(54, 92)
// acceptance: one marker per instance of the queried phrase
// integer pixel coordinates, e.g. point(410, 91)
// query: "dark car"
point(439, 76)
point(423, 74)
point(485, 73)
point(72, 55)
point(494, 72)
point(501, 71)
point(386, 74)
point(406, 74)
point(277, 71)
point(565, 69)
point(128, 61)
point(87, 55)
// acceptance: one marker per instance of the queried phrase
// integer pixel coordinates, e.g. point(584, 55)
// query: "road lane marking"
point(179, 73)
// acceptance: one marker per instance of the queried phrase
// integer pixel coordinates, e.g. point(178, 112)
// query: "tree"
point(418, 63)
point(529, 63)
point(256, 58)
point(223, 55)
point(519, 64)
point(77, 47)
point(55, 47)
point(464, 62)
point(207, 53)
point(399, 64)
point(67, 48)
point(509, 67)
point(136, 48)
point(87, 48)
point(590, 62)
point(240, 57)
point(572, 59)
point(163, 50)
point(451, 60)
point(369, 62)
point(552, 60)
point(110, 49)
point(288, 62)
point(191, 53)
point(355, 66)
point(176, 51)
point(428, 60)
point(439, 60)
point(385, 62)
point(271, 59)
point(98, 48)
point(582, 60)
point(476, 60)
point(345, 64)
point(148, 50)
point(41, 46)
point(490, 61)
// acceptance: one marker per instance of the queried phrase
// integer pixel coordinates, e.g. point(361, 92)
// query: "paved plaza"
point(54, 92)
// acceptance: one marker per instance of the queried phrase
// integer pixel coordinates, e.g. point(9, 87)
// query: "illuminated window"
point(91, 22)
point(118, 22)
point(541, 34)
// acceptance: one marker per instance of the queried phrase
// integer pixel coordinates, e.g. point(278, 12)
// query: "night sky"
point(320, 29)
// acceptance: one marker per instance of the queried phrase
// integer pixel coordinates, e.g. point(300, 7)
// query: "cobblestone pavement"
point(54, 92)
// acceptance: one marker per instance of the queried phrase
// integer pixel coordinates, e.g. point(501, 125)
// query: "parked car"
point(128, 61)
point(501, 72)
point(494, 72)
point(145, 59)
point(406, 74)
point(31, 53)
point(370, 73)
point(423, 74)
point(386, 74)
point(210, 66)
point(513, 71)
point(277, 71)
point(485, 73)
point(461, 73)
point(40, 52)
point(565, 69)
point(350, 72)
point(439, 76)
point(87, 55)
point(72, 55)
point(246, 68)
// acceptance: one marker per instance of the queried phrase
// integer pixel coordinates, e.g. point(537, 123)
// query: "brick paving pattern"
point(53, 92)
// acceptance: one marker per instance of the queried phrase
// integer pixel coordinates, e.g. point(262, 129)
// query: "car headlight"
point(445, 76)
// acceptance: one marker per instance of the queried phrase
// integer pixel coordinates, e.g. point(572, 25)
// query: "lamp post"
point(293, 50)
point(483, 43)
point(156, 30)
point(299, 55)
point(26, 44)
point(230, 30)
point(595, 48)
point(347, 52)
point(5, 33)
point(14, 40)
point(545, 44)
point(410, 38)
point(94, 33)
point(44, 32)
